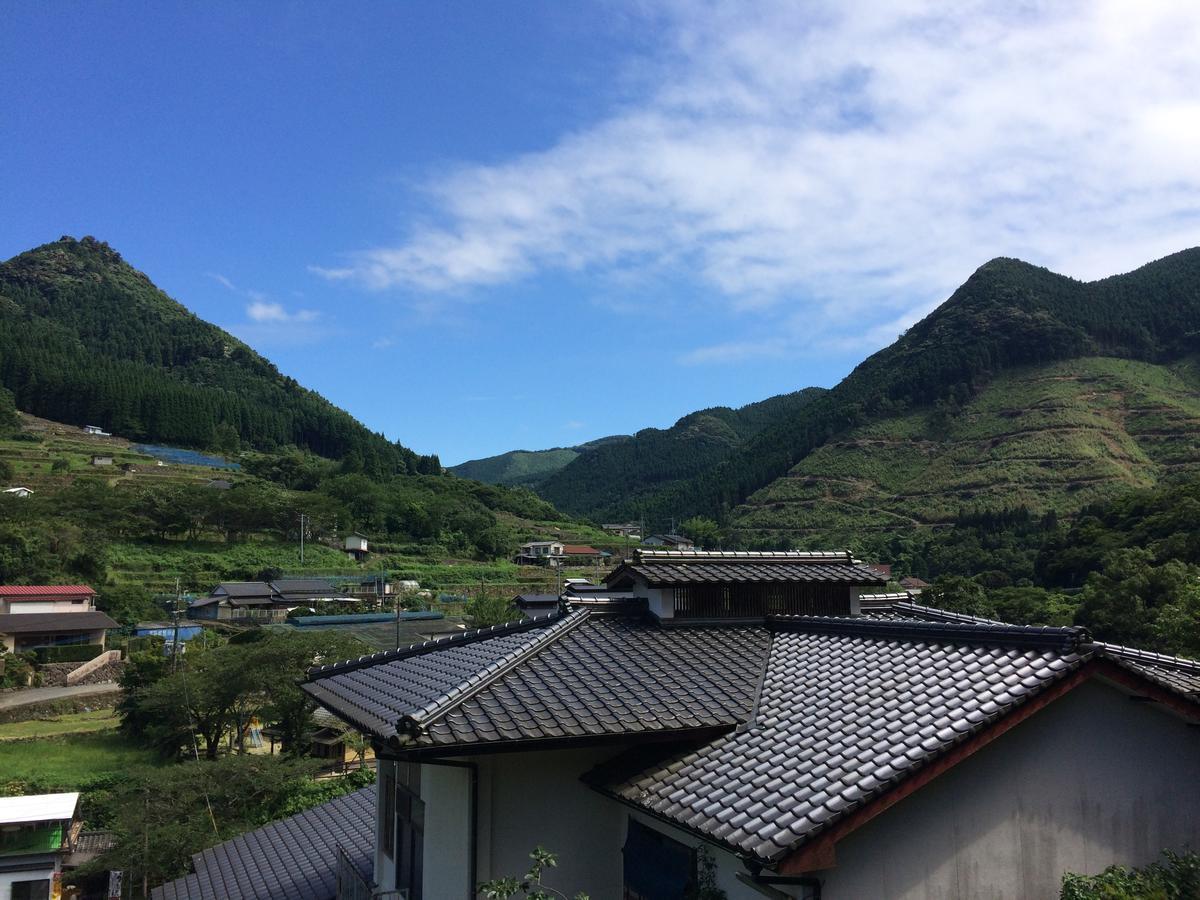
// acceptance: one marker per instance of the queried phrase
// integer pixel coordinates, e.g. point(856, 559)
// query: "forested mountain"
point(1010, 319)
point(527, 467)
point(87, 339)
point(611, 479)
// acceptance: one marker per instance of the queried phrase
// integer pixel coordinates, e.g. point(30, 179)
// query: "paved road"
point(37, 695)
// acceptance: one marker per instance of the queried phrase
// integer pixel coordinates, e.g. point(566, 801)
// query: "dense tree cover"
point(607, 481)
point(1128, 570)
point(204, 704)
point(1006, 315)
point(159, 818)
point(86, 339)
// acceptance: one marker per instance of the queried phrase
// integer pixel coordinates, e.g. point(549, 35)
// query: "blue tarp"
point(364, 618)
point(183, 457)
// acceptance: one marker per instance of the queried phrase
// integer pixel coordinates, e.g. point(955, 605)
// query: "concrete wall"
point(1093, 779)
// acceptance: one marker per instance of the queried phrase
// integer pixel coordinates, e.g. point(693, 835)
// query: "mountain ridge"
point(1006, 315)
point(86, 338)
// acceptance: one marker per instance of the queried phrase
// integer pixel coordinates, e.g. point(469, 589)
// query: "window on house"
point(410, 830)
point(31, 890)
point(656, 867)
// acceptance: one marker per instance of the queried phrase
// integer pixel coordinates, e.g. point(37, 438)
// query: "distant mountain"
point(610, 480)
point(1024, 388)
point(527, 468)
point(87, 339)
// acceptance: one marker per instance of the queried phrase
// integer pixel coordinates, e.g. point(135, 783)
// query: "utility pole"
point(175, 637)
point(303, 520)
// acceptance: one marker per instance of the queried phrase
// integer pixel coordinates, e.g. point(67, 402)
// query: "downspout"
point(473, 840)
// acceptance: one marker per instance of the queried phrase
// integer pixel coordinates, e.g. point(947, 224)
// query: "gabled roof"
point(244, 589)
point(38, 623)
point(36, 591)
point(566, 676)
point(664, 568)
point(765, 737)
point(847, 708)
point(580, 550)
point(38, 808)
point(292, 859)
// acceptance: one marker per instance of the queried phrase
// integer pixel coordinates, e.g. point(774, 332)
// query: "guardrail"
point(77, 675)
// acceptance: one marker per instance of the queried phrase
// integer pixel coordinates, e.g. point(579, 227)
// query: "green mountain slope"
point(1058, 436)
point(87, 339)
point(527, 467)
point(609, 480)
point(1008, 317)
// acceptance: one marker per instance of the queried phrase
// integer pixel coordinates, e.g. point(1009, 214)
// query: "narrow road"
point(37, 695)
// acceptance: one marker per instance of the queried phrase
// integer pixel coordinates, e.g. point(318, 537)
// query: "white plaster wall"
point(8, 879)
point(446, 792)
point(527, 799)
point(1093, 779)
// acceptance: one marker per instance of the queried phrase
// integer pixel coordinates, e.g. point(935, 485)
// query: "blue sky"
point(482, 226)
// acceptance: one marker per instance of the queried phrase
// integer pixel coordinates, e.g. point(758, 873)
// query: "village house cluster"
point(771, 719)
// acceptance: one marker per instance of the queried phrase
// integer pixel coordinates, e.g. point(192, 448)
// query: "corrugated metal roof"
point(17, 591)
point(38, 808)
point(737, 572)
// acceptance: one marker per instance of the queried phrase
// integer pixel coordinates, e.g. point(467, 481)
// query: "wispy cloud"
point(270, 322)
point(266, 311)
point(831, 171)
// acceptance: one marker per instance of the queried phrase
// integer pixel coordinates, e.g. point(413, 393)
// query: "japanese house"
point(33, 616)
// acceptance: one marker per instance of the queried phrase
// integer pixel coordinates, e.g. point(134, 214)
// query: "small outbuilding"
point(356, 546)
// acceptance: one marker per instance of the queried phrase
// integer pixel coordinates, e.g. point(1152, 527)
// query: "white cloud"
point(832, 171)
point(261, 310)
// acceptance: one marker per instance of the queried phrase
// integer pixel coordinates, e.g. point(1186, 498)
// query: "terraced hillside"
point(1054, 437)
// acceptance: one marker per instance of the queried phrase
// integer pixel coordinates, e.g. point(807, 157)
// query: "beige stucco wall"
point(1093, 779)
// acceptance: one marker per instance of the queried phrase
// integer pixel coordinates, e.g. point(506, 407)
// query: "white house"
point(753, 711)
point(95, 429)
point(18, 491)
point(356, 545)
point(37, 832)
point(540, 552)
point(669, 541)
point(102, 460)
point(41, 615)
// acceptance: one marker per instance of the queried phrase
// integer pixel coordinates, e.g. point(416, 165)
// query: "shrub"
point(1177, 877)
point(68, 653)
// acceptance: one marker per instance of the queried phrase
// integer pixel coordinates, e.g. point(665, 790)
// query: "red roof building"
point(44, 591)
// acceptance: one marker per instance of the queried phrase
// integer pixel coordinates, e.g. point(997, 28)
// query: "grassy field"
point(65, 762)
point(95, 720)
point(1049, 437)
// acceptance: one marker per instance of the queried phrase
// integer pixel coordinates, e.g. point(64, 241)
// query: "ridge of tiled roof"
point(439, 643)
point(1175, 673)
point(1068, 640)
point(688, 570)
point(412, 724)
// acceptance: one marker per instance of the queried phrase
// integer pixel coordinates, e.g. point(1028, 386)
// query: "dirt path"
point(37, 695)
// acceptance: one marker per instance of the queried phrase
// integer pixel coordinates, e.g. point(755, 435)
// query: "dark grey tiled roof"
point(292, 859)
point(847, 708)
point(667, 572)
point(373, 693)
point(563, 676)
point(46, 623)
